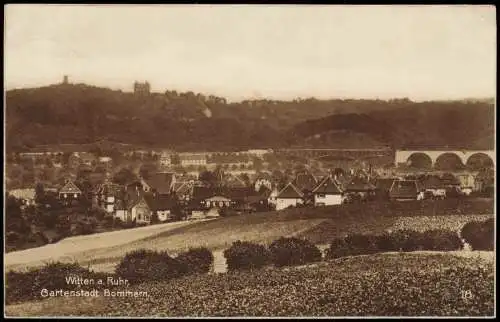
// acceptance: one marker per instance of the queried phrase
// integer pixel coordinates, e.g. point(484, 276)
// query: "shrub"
point(338, 248)
point(146, 265)
point(361, 244)
point(442, 240)
point(196, 260)
point(407, 240)
point(246, 256)
point(480, 235)
point(387, 243)
point(293, 251)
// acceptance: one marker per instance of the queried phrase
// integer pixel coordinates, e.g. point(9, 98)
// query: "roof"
point(290, 191)
point(183, 187)
point(433, 182)
point(85, 156)
point(305, 181)
point(110, 189)
point(450, 180)
point(358, 184)
point(384, 183)
point(263, 176)
point(202, 193)
point(70, 187)
point(129, 198)
point(28, 193)
point(185, 157)
point(159, 202)
point(328, 186)
point(406, 189)
point(161, 182)
point(234, 181)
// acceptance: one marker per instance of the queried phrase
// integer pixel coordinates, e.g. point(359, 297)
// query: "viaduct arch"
point(402, 156)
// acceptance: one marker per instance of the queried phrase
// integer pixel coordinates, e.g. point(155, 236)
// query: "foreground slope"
point(376, 285)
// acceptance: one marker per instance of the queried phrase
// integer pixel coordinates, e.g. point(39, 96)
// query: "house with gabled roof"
point(360, 187)
point(403, 190)
point(70, 191)
point(383, 186)
point(184, 190)
point(161, 183)
point(263, 179)
point(133, 206)
point(328, 192)
point(289, 196)
point(106, 195)
point(434, 185)
point(161, 205)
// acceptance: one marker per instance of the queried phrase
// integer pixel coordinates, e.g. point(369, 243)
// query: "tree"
point(245, 179)
point(39, 193)
point(209, 178)
point(257, 164)
point(124, 176)
point(65, 158)
point(49, 163)
point(14, 219)
point(147, 169)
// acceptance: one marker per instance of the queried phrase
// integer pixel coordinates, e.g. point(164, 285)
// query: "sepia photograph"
point(249, 161)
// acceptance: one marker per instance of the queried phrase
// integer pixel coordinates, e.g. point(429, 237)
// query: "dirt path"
point(73, 247)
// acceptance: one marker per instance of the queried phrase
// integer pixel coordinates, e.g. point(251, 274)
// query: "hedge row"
point(402, 240)
point(281, 252)
point(148, 265)
point(480, 235)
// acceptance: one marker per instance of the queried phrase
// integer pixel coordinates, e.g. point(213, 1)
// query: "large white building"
point(193, 159)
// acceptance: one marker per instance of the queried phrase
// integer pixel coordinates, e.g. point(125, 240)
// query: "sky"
point(257, 51)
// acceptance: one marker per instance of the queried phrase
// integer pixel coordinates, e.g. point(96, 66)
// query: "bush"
point(147, 265)
point(407, 240)
point(387, 243)
point(27, 286)
point(246, 256)
point(196, 260)
point(361, 244)
point(442, 240)
point(480, 235)
point(338, 248)
point(293, 251)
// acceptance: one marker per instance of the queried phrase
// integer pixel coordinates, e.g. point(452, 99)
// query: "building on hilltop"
point(142, 88)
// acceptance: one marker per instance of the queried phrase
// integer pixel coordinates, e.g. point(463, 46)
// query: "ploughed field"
point(373, 285)
point(319, 225)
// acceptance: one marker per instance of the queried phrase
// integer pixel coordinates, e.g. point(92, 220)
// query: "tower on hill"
point(65, 80)
point(142, 88)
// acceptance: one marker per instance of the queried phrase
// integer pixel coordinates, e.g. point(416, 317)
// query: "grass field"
point(103, 251)
point(403, 284)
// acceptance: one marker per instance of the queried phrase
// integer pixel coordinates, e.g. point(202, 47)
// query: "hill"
point(454, 125)
point(83, 114)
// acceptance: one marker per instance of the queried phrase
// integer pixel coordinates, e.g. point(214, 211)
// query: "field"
point(376, 285)
point(101, 252)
